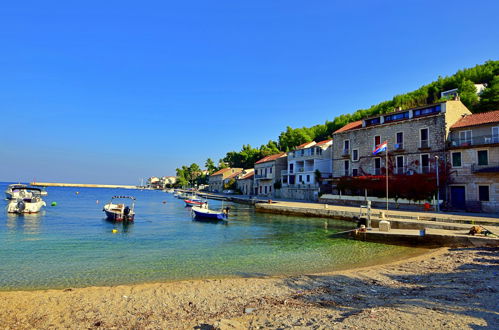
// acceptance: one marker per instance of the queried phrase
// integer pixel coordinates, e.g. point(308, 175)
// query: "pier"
point(81, 185)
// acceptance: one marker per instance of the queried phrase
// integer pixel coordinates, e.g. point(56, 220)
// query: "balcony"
point(398, 147)
point(474, 141)
point(268, 176)
point(345, 153)
point(425, 169)
point(424, 144)
point(489, 168)
point(399, 170)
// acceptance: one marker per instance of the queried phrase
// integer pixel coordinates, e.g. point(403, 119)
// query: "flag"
point(380, 148)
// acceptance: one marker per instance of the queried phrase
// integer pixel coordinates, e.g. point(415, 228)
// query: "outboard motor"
point(126, 211)
point(21, 206)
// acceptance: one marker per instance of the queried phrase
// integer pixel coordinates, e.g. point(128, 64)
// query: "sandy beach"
point(445, 288)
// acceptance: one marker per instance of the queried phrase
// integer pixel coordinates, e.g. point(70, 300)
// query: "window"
point(377, 166)
point(319, 151)
point(265, 189)
point(373, 121)
point(265, 171)
point(300, 179)
point(308, 178)
point(397, 116)
point(495, 134)
point(346, 167)
point(465, 138)
point(270, 189)
point(423, 135)
point(291, 168)
point(270, 170)
point(483, 193)
point(399, 162)
point(260, 189)
point(377, 141)
point(355, 172)
point(456, 159)
point(355, 155)
point(483, 157)
point(426, 111)
point(302, 152)
point(400, 141)
point(425, 163)
point(346, 147)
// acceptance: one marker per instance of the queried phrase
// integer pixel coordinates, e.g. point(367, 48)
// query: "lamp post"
point(438, 184)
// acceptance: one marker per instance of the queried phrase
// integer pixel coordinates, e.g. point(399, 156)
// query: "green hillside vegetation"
point(463, 80)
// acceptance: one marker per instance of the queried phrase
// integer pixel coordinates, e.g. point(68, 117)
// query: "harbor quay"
point(82, 185)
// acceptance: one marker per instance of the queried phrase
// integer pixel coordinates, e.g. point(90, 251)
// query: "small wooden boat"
point(26, 200)
point(194, 202)
point(119, 211)
point(204, 213)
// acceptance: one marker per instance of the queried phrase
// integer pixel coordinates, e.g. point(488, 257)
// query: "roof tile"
point(477, 119)
point(349, 126)
point(270, 158)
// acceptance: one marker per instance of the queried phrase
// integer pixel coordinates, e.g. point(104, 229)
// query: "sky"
point(114, 91)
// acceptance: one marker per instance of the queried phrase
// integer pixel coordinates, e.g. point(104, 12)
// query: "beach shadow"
point(470, 289)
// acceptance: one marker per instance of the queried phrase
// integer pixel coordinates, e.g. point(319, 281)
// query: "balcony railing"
point(264, 176)
point(399, 170)
point(399, 146)
point(345, 153)
point(474, 141)
point(489, 168)
point(425, 144)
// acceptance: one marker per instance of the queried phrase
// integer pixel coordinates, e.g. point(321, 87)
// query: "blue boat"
point(204, 213)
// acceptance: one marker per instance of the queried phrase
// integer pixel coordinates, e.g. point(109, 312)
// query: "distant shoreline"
point(81, 185)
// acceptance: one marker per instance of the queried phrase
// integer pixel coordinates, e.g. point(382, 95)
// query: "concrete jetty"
point(81, 185)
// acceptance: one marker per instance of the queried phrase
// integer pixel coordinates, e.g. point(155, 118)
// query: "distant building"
point(452, 93)
point(245, 180)
point(216, 180)
point(474, 157)
point(154, 182)
point(168, 181)
point(268, 173)
point(300, 180)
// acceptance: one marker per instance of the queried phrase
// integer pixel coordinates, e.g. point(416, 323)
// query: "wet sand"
point(446, 288)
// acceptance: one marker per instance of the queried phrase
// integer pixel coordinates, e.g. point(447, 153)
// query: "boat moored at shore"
point(26, 200)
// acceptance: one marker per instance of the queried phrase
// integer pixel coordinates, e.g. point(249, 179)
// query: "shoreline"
point(444, 287)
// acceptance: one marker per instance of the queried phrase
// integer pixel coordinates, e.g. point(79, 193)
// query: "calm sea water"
point(72, 245)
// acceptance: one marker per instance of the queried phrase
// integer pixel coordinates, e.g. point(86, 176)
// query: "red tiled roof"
point(305, 145)
point(222, 171)
point(323, 142)
point(477, 119)
point(247, 176)
point(233, 175)
point(270, 158)
point(350, 126)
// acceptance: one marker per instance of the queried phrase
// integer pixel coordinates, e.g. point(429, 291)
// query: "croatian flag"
point(380, 148)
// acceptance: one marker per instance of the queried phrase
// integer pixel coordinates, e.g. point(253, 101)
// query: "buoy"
point(77, 192)
point(164, 202)
point(97, 202)
point(115, 231)
point(53, 204)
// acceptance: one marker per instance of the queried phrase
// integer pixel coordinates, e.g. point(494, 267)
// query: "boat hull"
point(119, 217)
point(27, 208)
point(210, 216)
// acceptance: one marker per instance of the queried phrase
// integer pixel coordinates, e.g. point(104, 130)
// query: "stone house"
point(299, 180)
point(416, 141)
point(216, 180)
point(474, 157)
point(268, 173)
point(244, 181)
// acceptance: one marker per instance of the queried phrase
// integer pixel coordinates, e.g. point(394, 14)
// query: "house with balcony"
point(308, 165)
point(416, 140)
point(474, 158)
point(244, 181)
point(268, 174)
point(216, 180)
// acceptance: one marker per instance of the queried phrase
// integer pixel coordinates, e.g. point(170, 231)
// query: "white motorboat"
point(27, 200)
point(11, 187)
point(119, 211)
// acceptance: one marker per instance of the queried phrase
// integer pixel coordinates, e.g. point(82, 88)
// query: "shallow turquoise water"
point(71, 245)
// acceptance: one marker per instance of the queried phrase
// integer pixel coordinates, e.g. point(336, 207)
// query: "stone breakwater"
point(81, 185)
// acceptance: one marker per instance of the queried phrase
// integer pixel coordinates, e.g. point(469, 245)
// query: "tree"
point(489, 99)
point(467, 93)
point(210, 166)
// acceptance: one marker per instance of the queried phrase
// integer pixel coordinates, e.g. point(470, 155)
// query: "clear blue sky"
point(112, 91)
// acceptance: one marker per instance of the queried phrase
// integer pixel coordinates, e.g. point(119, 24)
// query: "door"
point(458, 197)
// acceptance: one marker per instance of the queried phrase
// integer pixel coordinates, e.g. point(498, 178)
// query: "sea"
point(71, 244)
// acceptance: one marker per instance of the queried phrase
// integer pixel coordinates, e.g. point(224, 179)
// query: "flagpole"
point(386, 174)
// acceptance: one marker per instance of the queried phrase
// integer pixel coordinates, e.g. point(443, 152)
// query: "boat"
point(194, 202)
point(26, 200)
point(11, 187)
point(119, 211)
point(204, 213)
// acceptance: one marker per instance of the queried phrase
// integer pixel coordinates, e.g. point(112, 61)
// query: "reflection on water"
point(72, 244)
point(29, 224)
